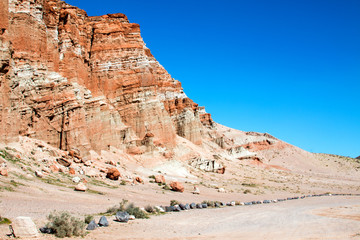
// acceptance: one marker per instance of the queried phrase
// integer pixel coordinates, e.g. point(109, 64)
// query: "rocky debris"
point(160, 209)
point(92, 225)
point(221, 190)
point(204, 205)
point(24, 227)
point(199, 205)
point(177, 187)
point(192, 205)
point(182, 206)
point(113, 174)
point(122, 216)
point(139, 180)
point(46, 230)
point(160, 179)
point(221, 170)
point(87, 163)
point(207, 165)
point(64, 162)
point(39, 174)
point(196, 190)
point(54, 168)
point(4, 172)
point(80, 187)
point(72, 171)
point(217, 204)
point(103, 222)
point(232, 203)
point(131, 217)
point(76, 179)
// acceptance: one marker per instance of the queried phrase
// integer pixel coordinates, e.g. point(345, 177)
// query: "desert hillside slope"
point(80, 96)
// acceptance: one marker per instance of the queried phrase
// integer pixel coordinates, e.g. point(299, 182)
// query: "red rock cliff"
point(86, 82)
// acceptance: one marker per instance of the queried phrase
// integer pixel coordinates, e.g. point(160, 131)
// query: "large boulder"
point(176, 186)
point(103, 222)
point(160, 179)
point(113, 174)
point(24, 227)
point(122, 216)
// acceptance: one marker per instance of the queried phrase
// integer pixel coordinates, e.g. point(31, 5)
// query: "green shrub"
point(65, 225)
point(247, 191)
point(150, 209)
point(136, 211)
point(88, 219)
point(4, 220)
point(174, 202)
point(166, 187)
point(115, 209)
point(123, 182)
point(152, 176)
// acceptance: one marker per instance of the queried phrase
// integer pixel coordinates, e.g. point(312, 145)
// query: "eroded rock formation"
point(80, 82)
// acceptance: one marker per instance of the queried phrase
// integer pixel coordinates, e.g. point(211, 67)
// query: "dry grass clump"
point(65, 225)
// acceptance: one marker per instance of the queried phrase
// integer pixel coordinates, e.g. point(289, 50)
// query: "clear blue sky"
point(289, 68)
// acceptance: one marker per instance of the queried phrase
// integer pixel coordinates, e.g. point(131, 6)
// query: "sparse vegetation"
point(174, 202)
point(88, 219)
point(123, 182)
point(149, 209)
point(166, 187)
point(4, 220)
point(65, 225)
point(136, 211)
point(247, 191)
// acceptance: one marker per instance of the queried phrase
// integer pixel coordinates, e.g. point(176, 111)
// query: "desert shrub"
point(150, 209)
point(174, 202)
point(123, 182)
point(115, 209)
point(136, 211)
point(65, 225)
point(4, 220)
point(152, 176)
point(88, 219)
point(247, 191)
point(209, 203)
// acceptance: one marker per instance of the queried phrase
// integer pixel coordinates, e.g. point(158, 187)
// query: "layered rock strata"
point(80, 82)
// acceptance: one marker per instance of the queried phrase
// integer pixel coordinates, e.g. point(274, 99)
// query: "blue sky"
point(289, 68)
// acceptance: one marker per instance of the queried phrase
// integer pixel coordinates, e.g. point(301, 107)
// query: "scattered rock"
point(81, 187)
point(47, 230)
point(176, 208)
point(221, 170)
point(160, 209)
point(221, 190)
point(92, 225)
point(139, 180)
point(46, 170)
point(39, 174)
point(196, 190)
point(232, 203)
point(87, 163)
point(217, 204)
point(72, 171)
point(54, 168)
point(160, 179)
point(122, 216)
point(63, 161)
point(192, 205)
point(176, 186)
point(76, 179)
point(4, 172)
point(111, 162)
point(182, 206)
point(131, 217)
point(198, 205)
point(103, 222)
point(204, 205)
point(24, 227)
point(113, 174)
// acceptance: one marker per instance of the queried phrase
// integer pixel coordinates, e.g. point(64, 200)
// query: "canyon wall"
point(84, 82)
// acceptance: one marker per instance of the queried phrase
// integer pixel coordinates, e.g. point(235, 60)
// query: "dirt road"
point(310, 218)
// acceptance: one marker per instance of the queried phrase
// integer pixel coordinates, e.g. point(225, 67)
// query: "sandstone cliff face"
point(86, 82)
